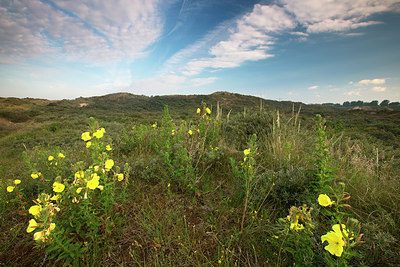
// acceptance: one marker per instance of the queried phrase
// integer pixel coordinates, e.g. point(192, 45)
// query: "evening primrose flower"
point(38, 235)
point(10, 188)
point(32, 225)
point(61, 155)
point(109, 164)
point(99, 133)
point(17, 181)
point(198, 111)
point(50, 158)
point(35, 210)
point(108, 148)
point(55, 197)
point(120, 177)
point(58, 187)
point(86, 136)
point(80, 174)
point(324, 200)
point(246, 152)
point(94, 182)
point(88, 144)
point(34, 175)
point(100, 187)
point(190, 132)
point(208, 111)
point(79, 190)
point(335, 243)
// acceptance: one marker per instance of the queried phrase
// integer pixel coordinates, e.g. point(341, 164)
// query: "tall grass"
point(221, 189)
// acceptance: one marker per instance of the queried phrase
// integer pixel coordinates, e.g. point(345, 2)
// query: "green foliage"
point(323, 171)
point(217, 188)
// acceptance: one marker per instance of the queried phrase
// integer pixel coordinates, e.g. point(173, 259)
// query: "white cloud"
point(379, 89)
point(353, 93)
point(91, 30)
point(340, 15)
point(373, 81)
point(303, 34)
point(314, 87)
point(249, 40)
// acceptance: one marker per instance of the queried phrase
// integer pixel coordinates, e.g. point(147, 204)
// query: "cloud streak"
point(250, 40)
point(90, 30)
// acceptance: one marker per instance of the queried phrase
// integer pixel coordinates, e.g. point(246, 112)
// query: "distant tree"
point(394, 104)
point(356, 103)
point(374, 103)
point(384, 103)
point(346, 104)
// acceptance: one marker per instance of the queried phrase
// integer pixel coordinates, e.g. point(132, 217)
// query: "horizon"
point(216, 92)
point(284, 50)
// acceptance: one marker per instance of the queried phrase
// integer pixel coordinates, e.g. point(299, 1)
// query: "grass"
point(196, 199)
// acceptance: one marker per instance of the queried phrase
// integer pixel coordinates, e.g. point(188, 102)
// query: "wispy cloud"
point(90, 30)
point(353, 93)
point(314, 87)
point(372, 81)
point(340, 15)
point(250, 40)
point(378, 89)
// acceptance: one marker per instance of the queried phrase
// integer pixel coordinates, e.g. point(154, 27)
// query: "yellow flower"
point(109, 164)
point(324, 200)
point(108, 148)
point(38, 235)
point(198, 111)
point(120, 177)
point(208, 111)
point(88, 144)
point(58, 187)
point(154, 125)
point(61, 155)
point(55, 197)
point(86, 136)
point(99, 133)
point(79, 190)
point(190, 132)
point(336, 229)
point(246, 152)
point(32, 225)
point(35, 210)
point(50, 158)
point(335, 243)
point(17, 181)
point(10, 188)
point(100, 187)
point(80, 174)
point(94, 182)
point(34, 175)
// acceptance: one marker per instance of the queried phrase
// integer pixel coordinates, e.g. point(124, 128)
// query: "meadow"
point(222, 179)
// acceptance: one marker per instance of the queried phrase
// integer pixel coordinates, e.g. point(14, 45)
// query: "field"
point(202, 180)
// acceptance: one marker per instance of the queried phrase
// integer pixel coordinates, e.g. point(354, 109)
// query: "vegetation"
point(222, 179)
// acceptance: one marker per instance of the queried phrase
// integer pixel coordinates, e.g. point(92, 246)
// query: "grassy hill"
point(220, 179)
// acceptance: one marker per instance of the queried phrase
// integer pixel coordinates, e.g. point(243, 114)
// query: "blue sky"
point(313, 51)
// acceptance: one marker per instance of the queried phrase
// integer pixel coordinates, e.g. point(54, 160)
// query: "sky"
point(312, 51)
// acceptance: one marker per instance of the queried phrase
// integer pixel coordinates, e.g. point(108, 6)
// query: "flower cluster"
point(11, 188)
point(299, 214)
point(43, 213)
point(340, 239)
